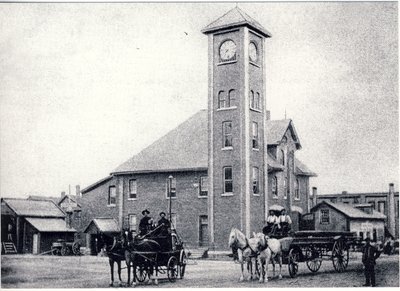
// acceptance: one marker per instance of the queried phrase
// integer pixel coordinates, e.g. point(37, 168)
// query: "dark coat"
point(370, 254)
point(144, 225)
point(164, 221)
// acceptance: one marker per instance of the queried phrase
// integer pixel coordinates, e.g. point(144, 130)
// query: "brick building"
point(386, 203)
point(227, 164)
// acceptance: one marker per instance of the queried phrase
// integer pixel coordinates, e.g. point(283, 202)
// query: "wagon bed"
point(313, 247)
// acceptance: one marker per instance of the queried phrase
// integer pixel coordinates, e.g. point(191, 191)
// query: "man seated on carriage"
point(163, 224)
point(272, 224)
point(285, 223)
point(145, 223)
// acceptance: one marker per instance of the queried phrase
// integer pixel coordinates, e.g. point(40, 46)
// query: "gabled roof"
point(350, 211)
point(72, 198)
point(95, 184)
point(303, 170)
point(104, 225)
point(39, 197)
point(34, 208)
point(50, 224)
point(186, 148)
point(234, 18)
point(276, 129)
point(183, 148)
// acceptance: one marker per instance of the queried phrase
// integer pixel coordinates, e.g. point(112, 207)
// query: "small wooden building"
point(33, 225)
point(363, 220)
point(97, 227)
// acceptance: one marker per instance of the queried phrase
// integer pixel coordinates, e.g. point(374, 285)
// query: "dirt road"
point(28, 271)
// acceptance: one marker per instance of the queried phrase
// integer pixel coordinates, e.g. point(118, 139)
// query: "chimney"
point(78, 191)
point(62, 194)
point(391, 210)
point(268, 115)
point(314, 196)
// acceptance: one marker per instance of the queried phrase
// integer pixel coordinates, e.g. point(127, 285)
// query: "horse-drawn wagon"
point(313, 247)
point(65, 248)
point(159, 255)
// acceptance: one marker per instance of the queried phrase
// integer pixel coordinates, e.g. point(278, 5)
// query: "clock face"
point(227, 50)
point(253, 52)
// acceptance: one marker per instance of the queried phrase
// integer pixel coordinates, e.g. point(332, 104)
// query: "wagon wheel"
point(314, 265)
point(65, 251)
point(182, 264)
point(314, 260)
point(141, 274)
point(293, 264)
point(76, 248)
point(340, 256)
point(172, 269)
point(55, 251)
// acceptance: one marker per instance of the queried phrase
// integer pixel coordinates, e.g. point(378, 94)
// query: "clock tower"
point(237, 147)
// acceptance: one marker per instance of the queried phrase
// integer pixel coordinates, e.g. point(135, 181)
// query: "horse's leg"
point(111, 262)
point(128, 267)
point(273, 267)
point(241, 261)
point(280, 266)
point(119, 272)
point(267, 260)
point(260, 269)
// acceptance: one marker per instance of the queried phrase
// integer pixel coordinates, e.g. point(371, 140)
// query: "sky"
point(84, 87)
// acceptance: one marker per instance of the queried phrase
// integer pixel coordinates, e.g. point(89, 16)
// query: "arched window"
point(251, 99)
point(257, 102)
point(297, 189)
point(274, 187)
point(221, 99)
point(231, 98)
point(282, 157)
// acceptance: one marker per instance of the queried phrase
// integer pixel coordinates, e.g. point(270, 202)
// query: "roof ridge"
point(220, 17)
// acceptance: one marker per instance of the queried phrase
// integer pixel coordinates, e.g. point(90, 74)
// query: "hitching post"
point(170, 196)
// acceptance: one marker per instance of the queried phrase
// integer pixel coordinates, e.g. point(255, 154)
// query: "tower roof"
point(234, 18)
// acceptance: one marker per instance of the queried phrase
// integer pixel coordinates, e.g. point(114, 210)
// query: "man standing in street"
point(370, 254)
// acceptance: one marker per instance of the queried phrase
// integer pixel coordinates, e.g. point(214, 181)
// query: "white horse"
point(246, 250)
point(270, 250)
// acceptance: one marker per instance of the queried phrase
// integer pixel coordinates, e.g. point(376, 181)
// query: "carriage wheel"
point(55, 251)
point(76, 248)
point(340, 256)
point(65, 251)
point(141, 274)
point(172, 269)
point(293, 264)
point(182, 264)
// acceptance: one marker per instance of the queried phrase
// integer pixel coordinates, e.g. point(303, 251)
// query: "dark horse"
point(114, 246)
point(141, 255)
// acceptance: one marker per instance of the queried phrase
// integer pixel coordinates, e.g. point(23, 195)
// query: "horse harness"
point(247, 246)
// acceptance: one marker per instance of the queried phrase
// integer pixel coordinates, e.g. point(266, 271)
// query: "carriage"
point(62, 247)
point(313, 247)
point(169, 259)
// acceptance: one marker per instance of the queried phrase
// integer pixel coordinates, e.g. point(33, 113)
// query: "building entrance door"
point(35, 248)
point(203, 230)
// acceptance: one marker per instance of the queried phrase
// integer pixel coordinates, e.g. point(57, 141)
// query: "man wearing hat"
point(370, 254)
point(144, 223)
point(164, 224)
